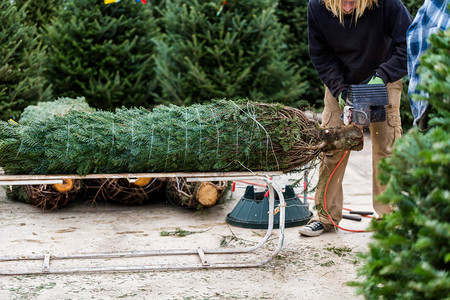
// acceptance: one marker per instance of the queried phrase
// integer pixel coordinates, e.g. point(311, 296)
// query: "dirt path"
point(306, 268)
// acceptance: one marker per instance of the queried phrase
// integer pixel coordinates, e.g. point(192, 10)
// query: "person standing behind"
point(432, 16)
point(351, 42)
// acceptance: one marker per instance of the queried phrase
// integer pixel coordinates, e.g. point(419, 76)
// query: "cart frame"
point(204, 262)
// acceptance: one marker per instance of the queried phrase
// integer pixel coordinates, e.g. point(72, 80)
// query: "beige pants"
point(383, 136)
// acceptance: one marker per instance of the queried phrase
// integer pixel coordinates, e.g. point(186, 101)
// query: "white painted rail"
point(204, 261)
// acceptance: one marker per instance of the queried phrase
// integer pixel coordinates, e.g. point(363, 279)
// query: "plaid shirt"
point(431, 17)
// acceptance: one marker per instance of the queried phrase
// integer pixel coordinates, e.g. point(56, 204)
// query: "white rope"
point(20, 147)
point(132, 137)
point(269, 140)
point(186, 135)
point(200, 146)
point(218, 133)
point(168, 148)
point(113, 132)
point(68, 135)
point(151, 142)
point(237, 138)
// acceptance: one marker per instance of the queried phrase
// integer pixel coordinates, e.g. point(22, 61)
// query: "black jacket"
point(344, 55)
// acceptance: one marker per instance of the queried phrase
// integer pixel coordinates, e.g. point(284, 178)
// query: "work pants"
point(383, 136)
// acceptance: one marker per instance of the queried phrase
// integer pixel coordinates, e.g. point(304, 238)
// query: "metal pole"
point(205, 263)
point(305, 188)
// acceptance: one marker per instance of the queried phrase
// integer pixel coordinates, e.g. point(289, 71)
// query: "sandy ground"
point(305, 268)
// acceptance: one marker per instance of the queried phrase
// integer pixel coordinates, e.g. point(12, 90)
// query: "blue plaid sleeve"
point(431, 17)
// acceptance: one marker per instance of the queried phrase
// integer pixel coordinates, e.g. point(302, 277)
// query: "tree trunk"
point(342, 138)
point(64, 187)
point(207, 194)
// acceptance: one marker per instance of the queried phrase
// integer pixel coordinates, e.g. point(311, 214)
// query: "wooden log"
point(64, 187)
point(194, 195)
point(48, 197)
point(207, 194)
point(142, 181)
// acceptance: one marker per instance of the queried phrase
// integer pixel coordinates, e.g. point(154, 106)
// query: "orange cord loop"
point(325, 197)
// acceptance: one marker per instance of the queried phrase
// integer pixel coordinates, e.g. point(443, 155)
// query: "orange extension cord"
point(325, 198)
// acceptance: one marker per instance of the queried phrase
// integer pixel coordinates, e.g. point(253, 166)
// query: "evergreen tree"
point(232, 49)
point(222, 136)
point(219, 136)
point(102, 52)
point(410, 256)
point(39, 12)
point(293, 14)
point(48, 109)
point(157, 7)
point(21, 55)
point(413, 6)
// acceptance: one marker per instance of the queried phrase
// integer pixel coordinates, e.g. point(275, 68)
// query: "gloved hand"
point(342, 99)
point(376, 79)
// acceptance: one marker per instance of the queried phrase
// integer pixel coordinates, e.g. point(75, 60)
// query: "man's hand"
point(342, 99)
point(376, 80)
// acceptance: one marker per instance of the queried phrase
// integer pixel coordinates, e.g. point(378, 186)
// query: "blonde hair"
point(335, 6)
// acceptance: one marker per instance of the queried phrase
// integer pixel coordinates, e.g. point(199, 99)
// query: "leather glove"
point(342, 99)
point(375, 79)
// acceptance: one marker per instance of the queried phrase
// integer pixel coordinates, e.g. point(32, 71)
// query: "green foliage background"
point(102, 52)
point(21, 80)
point(106, 52)
point(410, 255)
point(39, 13)
point(234, 50)
point(293, 14)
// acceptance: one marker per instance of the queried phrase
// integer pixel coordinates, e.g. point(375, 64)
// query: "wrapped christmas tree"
point(45, 110)
point(55, 196)
point(222, 136)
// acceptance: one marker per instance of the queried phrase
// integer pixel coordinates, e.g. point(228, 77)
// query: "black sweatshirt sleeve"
point(350, 53)
point(322, 56)
point(396, 23)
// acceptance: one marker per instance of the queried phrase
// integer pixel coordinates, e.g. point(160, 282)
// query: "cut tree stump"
point(123, 192)
point(64, 187)
point(52, 197)
point(207, 194)
point(196, 195)
point(142, 181)
point(342, 138)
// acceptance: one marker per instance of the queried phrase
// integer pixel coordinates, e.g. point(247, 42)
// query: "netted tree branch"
point(221, 136)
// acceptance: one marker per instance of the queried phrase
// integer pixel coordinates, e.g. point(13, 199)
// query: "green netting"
point(48, 109)
point(221, 136)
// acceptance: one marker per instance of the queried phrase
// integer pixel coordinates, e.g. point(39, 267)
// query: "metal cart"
point(202, 253)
